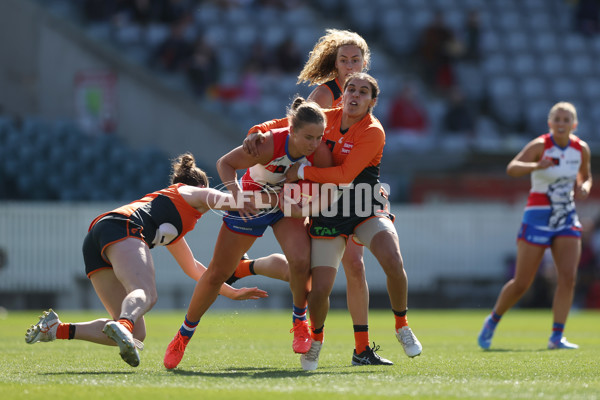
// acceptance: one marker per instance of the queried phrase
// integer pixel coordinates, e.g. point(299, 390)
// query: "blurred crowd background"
point(465, 84)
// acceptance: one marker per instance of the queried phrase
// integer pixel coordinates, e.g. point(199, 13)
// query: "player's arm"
point(258, 134)
point(363, 152)
point(584, 176)
point(182, 253)
point(204, 199)
point(528, 159)
point(236, 159)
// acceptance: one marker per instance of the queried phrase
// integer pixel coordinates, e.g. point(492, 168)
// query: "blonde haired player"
point(560, 169)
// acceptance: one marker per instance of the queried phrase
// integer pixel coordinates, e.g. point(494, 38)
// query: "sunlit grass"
point(248, 355)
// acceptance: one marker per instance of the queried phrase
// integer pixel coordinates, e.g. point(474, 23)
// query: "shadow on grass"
point(261, 373)
point(88, 373)
point(513, 350)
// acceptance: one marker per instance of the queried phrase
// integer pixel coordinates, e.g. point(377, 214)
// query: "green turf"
point(248, 356)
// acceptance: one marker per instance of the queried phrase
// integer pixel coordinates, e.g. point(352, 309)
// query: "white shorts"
point(329, 252)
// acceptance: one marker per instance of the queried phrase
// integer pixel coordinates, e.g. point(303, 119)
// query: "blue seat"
point(509, 21)
point(517, 42)
point(564, 89)
point(533, 88)
point(574, 43)
point(491, 42)
point(505, 101)
point(583, 66)
point(495, 64)
point(544, 42)
point(552, 65)
point(524, 64)
point(536, 116)
point(590, 89)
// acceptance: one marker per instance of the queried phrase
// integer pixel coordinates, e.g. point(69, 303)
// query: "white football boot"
point(45, 329)
point(411, 345)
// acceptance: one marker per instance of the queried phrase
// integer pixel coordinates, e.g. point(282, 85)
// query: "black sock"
point(72, 328)
point(400, 313)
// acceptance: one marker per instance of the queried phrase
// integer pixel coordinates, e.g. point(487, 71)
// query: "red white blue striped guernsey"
point(551, 204)
point(273, 173)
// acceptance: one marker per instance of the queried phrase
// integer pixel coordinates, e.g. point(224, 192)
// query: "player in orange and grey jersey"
point(356, 139)
point(337, 54)
point(118, 262)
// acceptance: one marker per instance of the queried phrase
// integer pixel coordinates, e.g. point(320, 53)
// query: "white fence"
point(42, 243)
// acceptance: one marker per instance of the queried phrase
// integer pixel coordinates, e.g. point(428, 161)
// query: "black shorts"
point(331, 227)
point(110, 229)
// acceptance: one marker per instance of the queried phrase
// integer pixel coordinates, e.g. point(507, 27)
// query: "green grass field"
point(249, 356)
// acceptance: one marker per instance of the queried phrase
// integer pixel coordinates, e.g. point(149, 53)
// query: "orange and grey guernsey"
point(336, 92)
point(356, 156)
point(356, 152)
point(165, 206)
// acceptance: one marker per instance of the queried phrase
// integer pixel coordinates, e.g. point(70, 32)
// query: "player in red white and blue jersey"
point(295, 143)
point(560, 169)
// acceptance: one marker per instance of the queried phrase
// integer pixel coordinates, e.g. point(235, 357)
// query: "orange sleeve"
point(364, 153)
point(267, 126)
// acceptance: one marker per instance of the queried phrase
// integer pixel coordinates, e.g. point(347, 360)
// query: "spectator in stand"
point(288, 57)
point(250, 89)
point(174, 53)
point(203, 69)
point(259, 57)
point(459, 117)
point(173, 11)
point(99, 10)
point(407, 122)
point(587, 17)
point(438, 47)
point(142, 12)
point(472, 37)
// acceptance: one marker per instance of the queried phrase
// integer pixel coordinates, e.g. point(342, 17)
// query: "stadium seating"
point(56, 161)
point(531, 57)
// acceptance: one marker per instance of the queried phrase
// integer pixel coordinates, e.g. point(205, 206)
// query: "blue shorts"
point(253, 226)
point(543, 237)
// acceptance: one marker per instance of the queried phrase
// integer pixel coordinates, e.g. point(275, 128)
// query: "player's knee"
point(153, 298)
point(392, 265)
point(354, 266)
point(299, 262)
point(567, 280)
point(520, 287)
point(320, 291)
